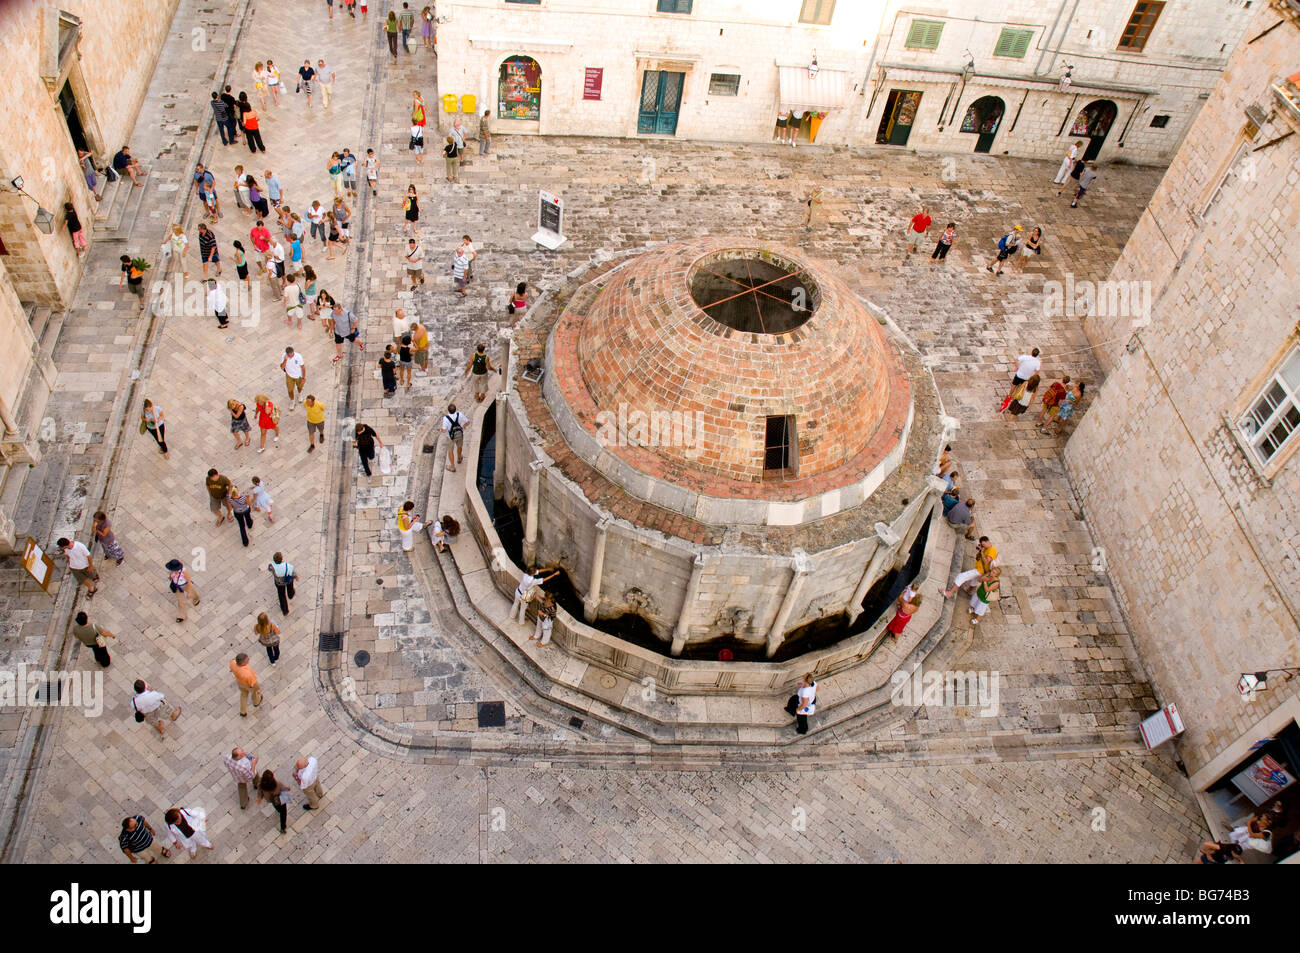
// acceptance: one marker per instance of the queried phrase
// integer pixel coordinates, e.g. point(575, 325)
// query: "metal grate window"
point(724, 84)
point(1013, 43)
point(778, 444)
point(1140, 25)
point(924, 35)
point(817, 12)
point(1274, 418)
point(674, 6)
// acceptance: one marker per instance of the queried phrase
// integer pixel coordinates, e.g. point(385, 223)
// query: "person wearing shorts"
point(295, 374)
point(414, 263)
point(344, 319)
point(420, 346)
point(315, 421)
point(479, 366)
point(916, 230)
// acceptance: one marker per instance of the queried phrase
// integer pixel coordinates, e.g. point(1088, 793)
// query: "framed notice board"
point(38, 565)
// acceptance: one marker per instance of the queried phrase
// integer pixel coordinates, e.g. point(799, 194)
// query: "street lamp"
point(1251, 682)
point(44, 219)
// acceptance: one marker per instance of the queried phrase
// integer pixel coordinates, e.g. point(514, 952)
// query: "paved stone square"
point(967, 792)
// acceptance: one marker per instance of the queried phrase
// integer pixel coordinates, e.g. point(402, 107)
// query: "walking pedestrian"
point(416, 144)
point(1027, 365)
point(1067, 164)
point(1065, 409)
point(343, 216)
point(238, 423)
point(273, 82)
point(274, 190)
point(1086, 179)
point(404, 363)
point(479, 366)
point(961, 516)
point(283, 575)
point(175, 247)
point(147, 701)
point(414, 263)
point(372, 172)
point(154, 423)
point(218, 304)
point(102, 532)
point(388, 371)
point(205, 187)
point(467, 249)
point(247, 683)
point(1020, 401)
point(241, 262)
point(390, 28)
point(1008, 244)
point(316, 221)
point(411, 208)
point(451, 153)
point(458, 136)
point(218, 488)
point(242, 509)
point(407, 23)
point(325, 79)
point(133, 277)
point(275, 792)
point(75, 230)
point(349, 162)
point(419, 113)
point(333, 239)
point(137, 840)
point(259, 82)
point(460, 271)
point(944, 245)
point(306, 73)
point(294, 367)
point(420, 346)
point(92, 636)
point(530, 586)
point(346, 327)
point(916, 230)
point(364, 440)
point(485, 133)
point(545, 624)
point(259, 202)
point(453, 425)
point(1033, 246)
point(408, 524)
point(315, 421)
point(187, 828)
point(80, 564)
point(268, 634)
point(268, 420)
point(1052, 399)
point(908, 603)
point(984, 593)
point(180, 583)
point(306, 771)
point(242, 768)
point(260, 495)
point(803, 703)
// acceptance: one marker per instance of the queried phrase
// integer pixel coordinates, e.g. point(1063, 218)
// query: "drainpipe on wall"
point(1056, 52)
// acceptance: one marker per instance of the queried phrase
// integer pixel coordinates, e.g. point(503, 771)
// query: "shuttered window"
point(818, 12)
point(1140, 25)
point(1013, 43)
point(924, 35)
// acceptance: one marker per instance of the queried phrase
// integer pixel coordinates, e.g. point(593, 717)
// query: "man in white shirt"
point(80, 564)
point(414, 263)
point(453, 425)
point(295, 374)
point(276, 262)
point(292, 297)
point(217, 302)
point(307, 773)
point(803, 703)
point(149, 702)
point(531, 579)
point(1027, 366)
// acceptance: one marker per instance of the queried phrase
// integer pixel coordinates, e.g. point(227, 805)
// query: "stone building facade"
point(1186, 461)
point(69, 86)
point(980, 76)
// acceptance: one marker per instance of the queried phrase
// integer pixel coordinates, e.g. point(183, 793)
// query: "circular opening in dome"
point(755, 294)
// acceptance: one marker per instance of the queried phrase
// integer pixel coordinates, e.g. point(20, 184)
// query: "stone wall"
point(1203, 544)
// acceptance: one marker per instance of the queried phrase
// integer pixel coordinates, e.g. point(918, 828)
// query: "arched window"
point(519, 89)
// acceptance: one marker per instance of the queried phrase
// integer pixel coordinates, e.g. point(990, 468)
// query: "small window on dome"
point(779, 457)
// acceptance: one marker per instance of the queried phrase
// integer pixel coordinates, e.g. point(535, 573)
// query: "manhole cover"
point(331, 641)
point(608, 681)
point(491, 714)
point(362, 658)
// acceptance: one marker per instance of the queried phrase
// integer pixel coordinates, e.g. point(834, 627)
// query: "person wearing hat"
point(1008, 245)
point(181, 584)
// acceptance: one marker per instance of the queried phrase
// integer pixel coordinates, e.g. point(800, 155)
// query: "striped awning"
point(799, 90)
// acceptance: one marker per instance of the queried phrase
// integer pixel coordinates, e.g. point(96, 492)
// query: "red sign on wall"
point(591, 83)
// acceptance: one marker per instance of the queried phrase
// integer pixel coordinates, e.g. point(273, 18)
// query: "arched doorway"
point(1094, 121)
point(519, 89)
point(983, 118)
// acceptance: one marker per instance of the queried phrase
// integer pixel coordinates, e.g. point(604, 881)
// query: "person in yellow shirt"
point(420, 346)
point(246, 679)
point(986, 556)
point(315, 421)
point(408, 524)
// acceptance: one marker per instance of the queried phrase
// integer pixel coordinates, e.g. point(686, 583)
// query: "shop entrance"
point(661, 99)
point(1094, 121)
point(1264, 782)
point(900, 113)
point(983, 118)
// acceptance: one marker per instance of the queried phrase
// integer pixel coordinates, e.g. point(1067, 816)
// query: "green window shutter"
point(1013, 43)
point(924, 34)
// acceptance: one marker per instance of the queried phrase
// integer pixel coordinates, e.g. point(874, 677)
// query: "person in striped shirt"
point(136, 840)
point(460, 270)
point(208, 250)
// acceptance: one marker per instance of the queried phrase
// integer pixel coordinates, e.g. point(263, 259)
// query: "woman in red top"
point(903, 616)
point(252, 131)
point(267, 419)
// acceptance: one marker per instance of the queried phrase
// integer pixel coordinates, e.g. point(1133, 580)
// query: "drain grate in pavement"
point(491, 714)
point(362, 658)
point(331, 641)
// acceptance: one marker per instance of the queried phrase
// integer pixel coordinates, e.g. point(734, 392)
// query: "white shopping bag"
point(385, 461)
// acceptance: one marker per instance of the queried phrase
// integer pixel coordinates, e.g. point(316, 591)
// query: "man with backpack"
point(1008, 245)
point(479, 365)
point(453, 425)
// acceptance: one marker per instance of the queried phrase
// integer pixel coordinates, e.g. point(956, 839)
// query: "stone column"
point(683, 618)
point(534, 504)
point(502, 412)
point(591, 602)
point(507, 344)
point(886, 540)
point(801, 566)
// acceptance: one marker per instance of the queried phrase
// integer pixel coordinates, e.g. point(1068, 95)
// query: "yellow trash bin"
point(449, 103)
point(469, 104)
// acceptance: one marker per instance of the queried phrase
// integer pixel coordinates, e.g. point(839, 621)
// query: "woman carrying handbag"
point(282, 572)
